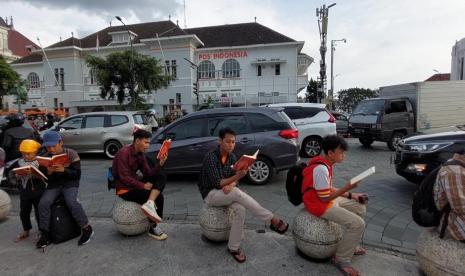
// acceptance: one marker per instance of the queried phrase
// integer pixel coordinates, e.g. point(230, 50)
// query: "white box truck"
point(404, 109)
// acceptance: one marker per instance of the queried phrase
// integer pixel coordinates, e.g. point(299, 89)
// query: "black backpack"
point(424, 210)
point(294, 183)
point(63, 227)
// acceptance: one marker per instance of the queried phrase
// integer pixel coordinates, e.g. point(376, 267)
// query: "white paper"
point(363, 175)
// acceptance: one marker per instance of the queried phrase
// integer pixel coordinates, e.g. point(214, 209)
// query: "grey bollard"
point(438, 256)
point(215, 222)
point(5, 205)
point(129, 218)
point(315, 237)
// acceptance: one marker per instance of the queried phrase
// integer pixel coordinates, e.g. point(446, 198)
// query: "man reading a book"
point(138, 182)
point(217, 185)
point(63, 179)
point(321, 199)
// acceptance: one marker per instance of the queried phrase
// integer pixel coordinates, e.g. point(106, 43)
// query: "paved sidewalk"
point(184, 253)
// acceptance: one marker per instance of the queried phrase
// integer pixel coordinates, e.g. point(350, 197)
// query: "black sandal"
point(277, 228)
point(237, 255)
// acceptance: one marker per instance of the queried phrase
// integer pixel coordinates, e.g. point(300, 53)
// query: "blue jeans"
point(70, 195)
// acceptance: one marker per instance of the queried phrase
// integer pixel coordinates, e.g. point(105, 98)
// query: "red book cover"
point(164, 148)
point(29, 170)
point(60, 159)
point(245, 161)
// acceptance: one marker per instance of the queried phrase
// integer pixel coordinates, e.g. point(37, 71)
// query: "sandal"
point(238, 255)
point(345, 267)
point(360, 251)
point(279, 228)
point(21, 237)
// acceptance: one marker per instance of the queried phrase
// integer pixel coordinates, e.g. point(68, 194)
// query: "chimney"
point(11, 22)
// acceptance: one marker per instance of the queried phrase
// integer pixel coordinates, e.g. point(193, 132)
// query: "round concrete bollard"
point(129, 218)
point(315, 237)
point(215, 222)
point(5, 205)
point(438, 256)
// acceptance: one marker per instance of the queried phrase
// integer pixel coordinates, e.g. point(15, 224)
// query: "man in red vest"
point(323, 200)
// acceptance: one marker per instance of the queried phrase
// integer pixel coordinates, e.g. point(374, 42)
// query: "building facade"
point(458, 61)
point(231, 65)
point(13, 44)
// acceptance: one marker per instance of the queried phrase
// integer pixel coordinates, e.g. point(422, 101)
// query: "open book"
point(29, 170)
point(245, 161)
point(60, 159)
point(164, 148)
point(363, 175)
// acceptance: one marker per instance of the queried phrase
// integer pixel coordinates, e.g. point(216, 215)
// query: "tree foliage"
point(128, 73)
point(349, 98)
point(312, 95)
point(8, 79)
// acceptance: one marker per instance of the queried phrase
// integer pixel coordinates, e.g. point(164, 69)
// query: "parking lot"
point(389, 223)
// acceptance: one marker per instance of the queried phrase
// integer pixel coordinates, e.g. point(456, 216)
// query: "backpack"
point(111, 181)
point(63, 227)
point(424, 210)
point(294, 183)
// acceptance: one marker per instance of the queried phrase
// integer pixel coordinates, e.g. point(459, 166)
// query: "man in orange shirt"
point(321, 199)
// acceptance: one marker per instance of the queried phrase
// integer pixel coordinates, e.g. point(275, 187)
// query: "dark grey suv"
point(266, 129)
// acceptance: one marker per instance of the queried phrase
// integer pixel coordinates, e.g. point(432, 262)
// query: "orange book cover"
point(164, 148)
point(60, 159)
point(245, 161)
point(29, 170)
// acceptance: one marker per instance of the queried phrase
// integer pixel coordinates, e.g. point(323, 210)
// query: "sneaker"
point(44, 240)
point(151, 212)
point(87, 233)
point(156, 233)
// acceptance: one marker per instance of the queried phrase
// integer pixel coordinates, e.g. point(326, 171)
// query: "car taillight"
point(331, 118)
point(289, 133)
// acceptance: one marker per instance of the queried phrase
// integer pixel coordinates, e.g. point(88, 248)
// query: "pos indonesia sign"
point(223, 55)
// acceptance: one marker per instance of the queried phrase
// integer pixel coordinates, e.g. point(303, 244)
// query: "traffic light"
point(195, 88)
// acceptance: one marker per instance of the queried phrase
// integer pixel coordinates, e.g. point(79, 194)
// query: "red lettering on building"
point(224, 55)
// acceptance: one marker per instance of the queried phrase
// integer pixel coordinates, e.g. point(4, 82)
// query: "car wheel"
point(395, 138)
point(366, 141)
point(111, 148)
point(260, 172)
point(311, 147)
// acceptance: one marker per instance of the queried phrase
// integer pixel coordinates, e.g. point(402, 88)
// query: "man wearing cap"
point(62, 179)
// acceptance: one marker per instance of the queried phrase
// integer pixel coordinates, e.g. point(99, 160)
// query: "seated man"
point(217, 186)
point(62, 179)
point(136, 181)
point(321, 199)
point(450, 188)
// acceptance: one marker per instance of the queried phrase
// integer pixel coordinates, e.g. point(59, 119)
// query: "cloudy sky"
point(388, 41)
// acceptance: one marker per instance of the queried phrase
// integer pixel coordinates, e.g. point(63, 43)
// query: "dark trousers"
point(25, 206)
point(141, 196)
point(48, 198)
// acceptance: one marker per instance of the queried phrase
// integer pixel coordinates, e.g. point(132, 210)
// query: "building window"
point(231, 69)
point(178, 98)
point(259, 70)
point(461, 68)
point(206, 70)
point(174, 72)
point(167, 67)
point(277, 69)
point(93, 76)
point(62, 79)
point(33, 80)
point(56, 76)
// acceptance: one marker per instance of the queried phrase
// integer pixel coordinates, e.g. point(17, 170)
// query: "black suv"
point(418, 155)
point(266, 129)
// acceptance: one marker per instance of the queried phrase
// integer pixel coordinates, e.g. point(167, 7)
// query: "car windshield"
point(371, 107)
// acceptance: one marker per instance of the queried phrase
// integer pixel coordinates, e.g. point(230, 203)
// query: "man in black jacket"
point(62, 179)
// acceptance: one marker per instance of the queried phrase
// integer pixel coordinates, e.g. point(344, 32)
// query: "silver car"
point(103, 132)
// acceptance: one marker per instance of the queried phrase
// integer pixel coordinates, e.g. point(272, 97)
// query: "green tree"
point(20, 91)
point(312, 95)
point(8, 79)
point(349, 98)
point(128, 71)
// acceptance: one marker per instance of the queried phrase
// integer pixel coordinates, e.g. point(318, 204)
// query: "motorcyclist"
point(152, 120)
point(14, 135)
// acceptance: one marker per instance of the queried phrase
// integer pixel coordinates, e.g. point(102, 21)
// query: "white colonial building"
point(236, 65)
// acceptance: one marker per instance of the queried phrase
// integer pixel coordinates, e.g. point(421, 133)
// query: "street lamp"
point(333, 48)
point(196, 84)
point(131, 60)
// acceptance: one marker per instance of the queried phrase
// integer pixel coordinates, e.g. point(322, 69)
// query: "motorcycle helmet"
point(15, 119)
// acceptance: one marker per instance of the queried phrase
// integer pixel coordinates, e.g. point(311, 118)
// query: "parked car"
point(266, 129)
point(103, 132)
point(313, 122)
point(342, 123)
point(418, 155)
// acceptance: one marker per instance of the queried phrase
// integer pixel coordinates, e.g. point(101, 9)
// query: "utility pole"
point(322, 14)
point(331, 94)
point(132, 77)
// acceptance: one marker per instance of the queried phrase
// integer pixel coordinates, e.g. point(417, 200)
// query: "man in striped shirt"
point(450, 188)
point(321, 199)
